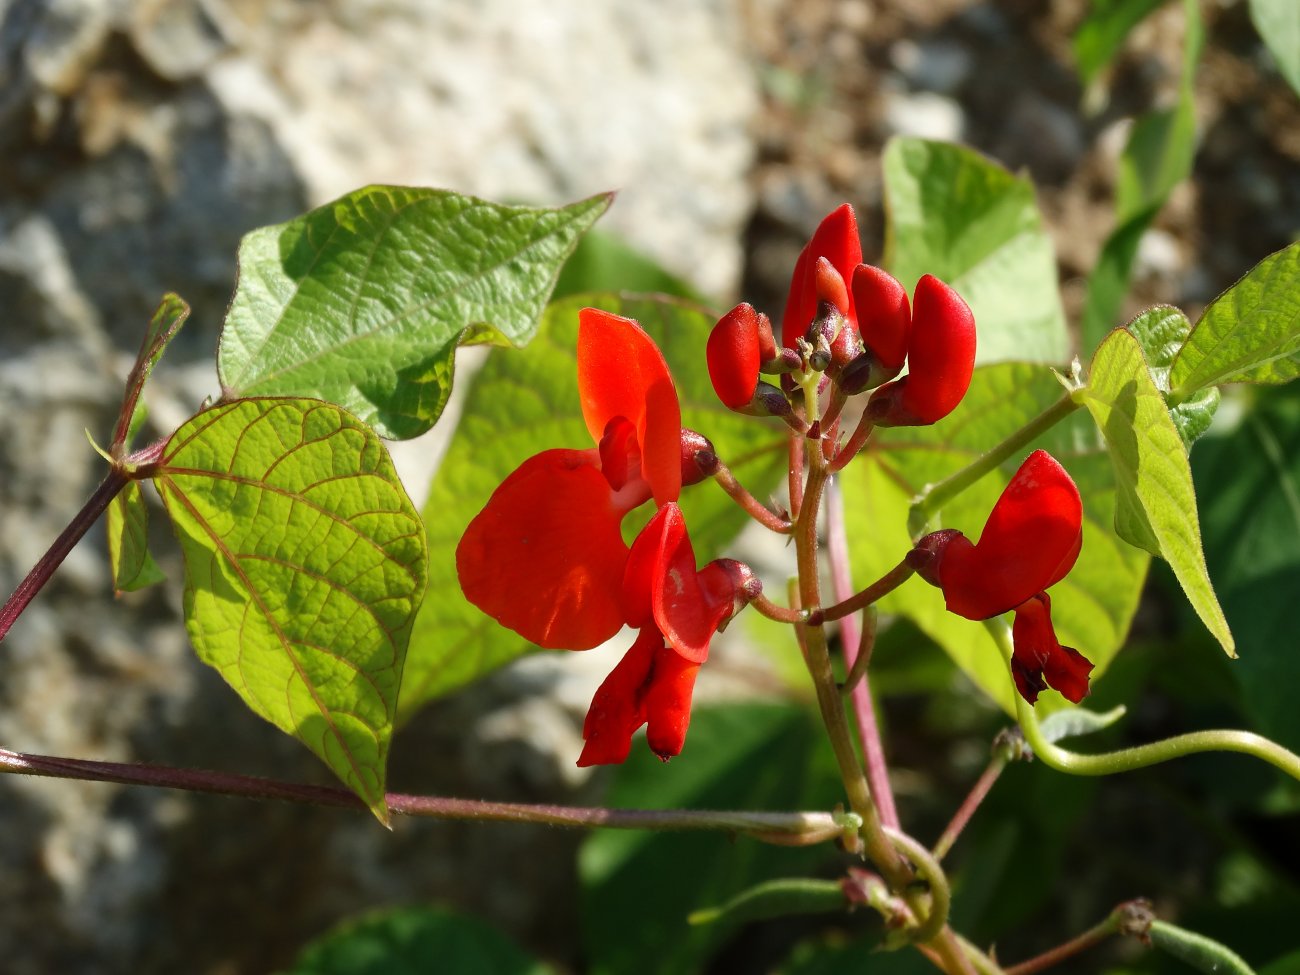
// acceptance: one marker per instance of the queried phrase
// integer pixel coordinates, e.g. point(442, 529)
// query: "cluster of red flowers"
point(546, 556)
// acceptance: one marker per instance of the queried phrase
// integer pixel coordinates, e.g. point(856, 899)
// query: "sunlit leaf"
point(127, 521)
point(1091, 607)
point(1278, 23)
point(963, 218)
point(1161, 332)
point(1250, 333)
point(304, 564)
point(363, 301)
point(1157, 503)
point(525, 402)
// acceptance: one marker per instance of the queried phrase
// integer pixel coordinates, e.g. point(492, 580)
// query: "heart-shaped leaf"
point(304, 565)
point(963, 218)
point(1157, 503)
point(1250, 333)
point(363, 301)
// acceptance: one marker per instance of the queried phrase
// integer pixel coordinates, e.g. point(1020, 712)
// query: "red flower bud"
point(884, 316)
point(836, 239)
point(940, 359)
point(734, 356)
point(829, 285)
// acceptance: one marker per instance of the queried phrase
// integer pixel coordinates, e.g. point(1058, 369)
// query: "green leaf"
point(415, 941)
point(748, 756)
point(363, 301)
point(1074, 722)
point(1278, 23)
point(1250, 333)
point(1251, 515)
point(1157, 503)
point(1091, 607)
point(522, 403)
point(166, 322)
point(1197, 950)
point(127, 520)
point(1157, 157)
point(304, 564)
point(1161, 332)
point(602, 262)
point(966, 220)
point(1102, 33)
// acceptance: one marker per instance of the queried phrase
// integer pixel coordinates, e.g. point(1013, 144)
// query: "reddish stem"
point(873, 748)
point(116, 479)
point(979, 791)
point(780, 828)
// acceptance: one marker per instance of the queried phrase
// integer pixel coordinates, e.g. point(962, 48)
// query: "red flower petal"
point(1030, 541)
point(618, 706)
point(621, 372)
point(835, 239)
point(545, 556)
point(1039, 660)
point(668, 702)
point(884, 315)
point(941, 351)
point(661, 577)
point(733, 356)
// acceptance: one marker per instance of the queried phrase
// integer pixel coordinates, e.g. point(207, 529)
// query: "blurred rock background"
point(140, 140)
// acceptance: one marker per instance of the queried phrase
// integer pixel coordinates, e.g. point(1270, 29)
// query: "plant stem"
point(1140, 756)
point(937, 495)
point(753, 507)
point(1113, 924)
point(873, 749)
point(857, 440)
point(109, 487)
point(886, 584)
point(979, 791)
point(782, 614)
point(787, 829)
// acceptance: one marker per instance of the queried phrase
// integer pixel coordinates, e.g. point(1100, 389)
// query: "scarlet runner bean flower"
point(546, 557)
point(1029, 543)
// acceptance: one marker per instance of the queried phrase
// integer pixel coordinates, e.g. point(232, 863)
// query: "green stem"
point(934, 497)
point(1140, 756)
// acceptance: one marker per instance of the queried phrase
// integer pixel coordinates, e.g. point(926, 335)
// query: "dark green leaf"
point(523, 403)
point(1091, 607)
point(304, 564)
point(1250, 478)
point(363, 301)
point(1250, 333)
point(1157, 503)
point(963, 218)
point(127, 520)
point(414, 941)
point(638, 888)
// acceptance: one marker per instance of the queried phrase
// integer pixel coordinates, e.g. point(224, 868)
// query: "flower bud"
point(884, 317)
point(734, 354)
point(941, 360)
point(697, 457)
point(836, 240)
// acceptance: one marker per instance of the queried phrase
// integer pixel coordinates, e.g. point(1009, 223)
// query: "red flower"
point(677, 609)
point(1029, 543)
point(545, 556)
point(836, 240)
